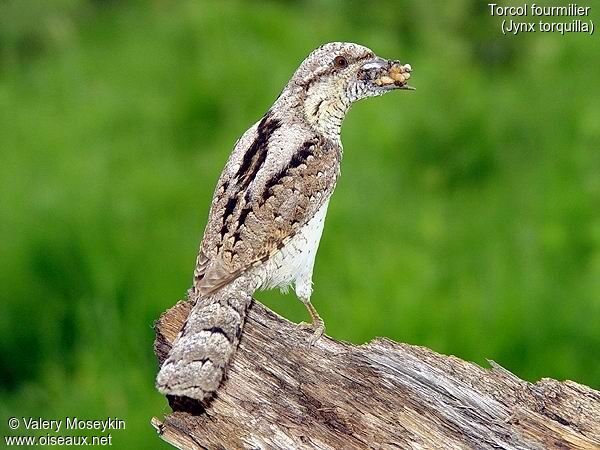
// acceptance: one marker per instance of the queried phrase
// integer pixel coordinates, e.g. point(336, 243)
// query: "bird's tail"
point(201, 352)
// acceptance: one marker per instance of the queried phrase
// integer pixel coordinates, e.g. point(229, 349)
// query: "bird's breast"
point(296, 258)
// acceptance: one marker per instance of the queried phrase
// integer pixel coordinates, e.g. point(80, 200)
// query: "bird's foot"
point(317, 326)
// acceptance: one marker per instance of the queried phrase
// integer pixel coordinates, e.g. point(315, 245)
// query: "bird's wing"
point(250, 221)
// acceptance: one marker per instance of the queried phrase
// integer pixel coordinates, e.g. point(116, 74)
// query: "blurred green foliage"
point(467, 218)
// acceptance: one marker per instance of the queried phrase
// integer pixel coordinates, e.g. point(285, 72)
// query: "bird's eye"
point(340, 62)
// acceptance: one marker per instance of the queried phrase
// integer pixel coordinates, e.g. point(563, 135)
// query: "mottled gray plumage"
point(269, 207)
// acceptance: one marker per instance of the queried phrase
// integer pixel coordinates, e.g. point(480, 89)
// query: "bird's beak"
point(389, 74)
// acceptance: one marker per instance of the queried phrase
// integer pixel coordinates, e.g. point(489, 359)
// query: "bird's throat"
point(326, 114)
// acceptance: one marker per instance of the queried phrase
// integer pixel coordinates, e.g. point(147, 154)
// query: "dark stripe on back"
point(251, 163)
point(243, 213)
point(274, 180)
point(229, 208)
point(301, 155)
point(257, 153)
point(297, 159)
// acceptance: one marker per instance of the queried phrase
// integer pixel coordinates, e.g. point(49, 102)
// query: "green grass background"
point(467, 217)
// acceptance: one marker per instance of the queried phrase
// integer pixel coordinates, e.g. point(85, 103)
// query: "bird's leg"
point(317, 324)
point(303, 292)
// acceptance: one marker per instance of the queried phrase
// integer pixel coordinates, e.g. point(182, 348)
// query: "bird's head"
point(337, 74)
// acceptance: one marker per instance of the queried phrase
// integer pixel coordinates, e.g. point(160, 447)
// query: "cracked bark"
point(383, 395)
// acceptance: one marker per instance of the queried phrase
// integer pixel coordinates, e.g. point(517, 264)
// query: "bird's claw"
point(317, 328)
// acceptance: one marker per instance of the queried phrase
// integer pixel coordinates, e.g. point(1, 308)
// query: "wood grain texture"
point(280, 394)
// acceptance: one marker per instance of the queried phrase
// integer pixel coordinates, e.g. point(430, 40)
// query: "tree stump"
point(281, 394)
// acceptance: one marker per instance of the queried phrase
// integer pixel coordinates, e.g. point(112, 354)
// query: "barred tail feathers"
point(201, 353)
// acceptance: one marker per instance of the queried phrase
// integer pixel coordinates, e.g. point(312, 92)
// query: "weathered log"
point(281, 394)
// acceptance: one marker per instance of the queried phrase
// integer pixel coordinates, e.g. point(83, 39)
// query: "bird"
point(268, 210)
